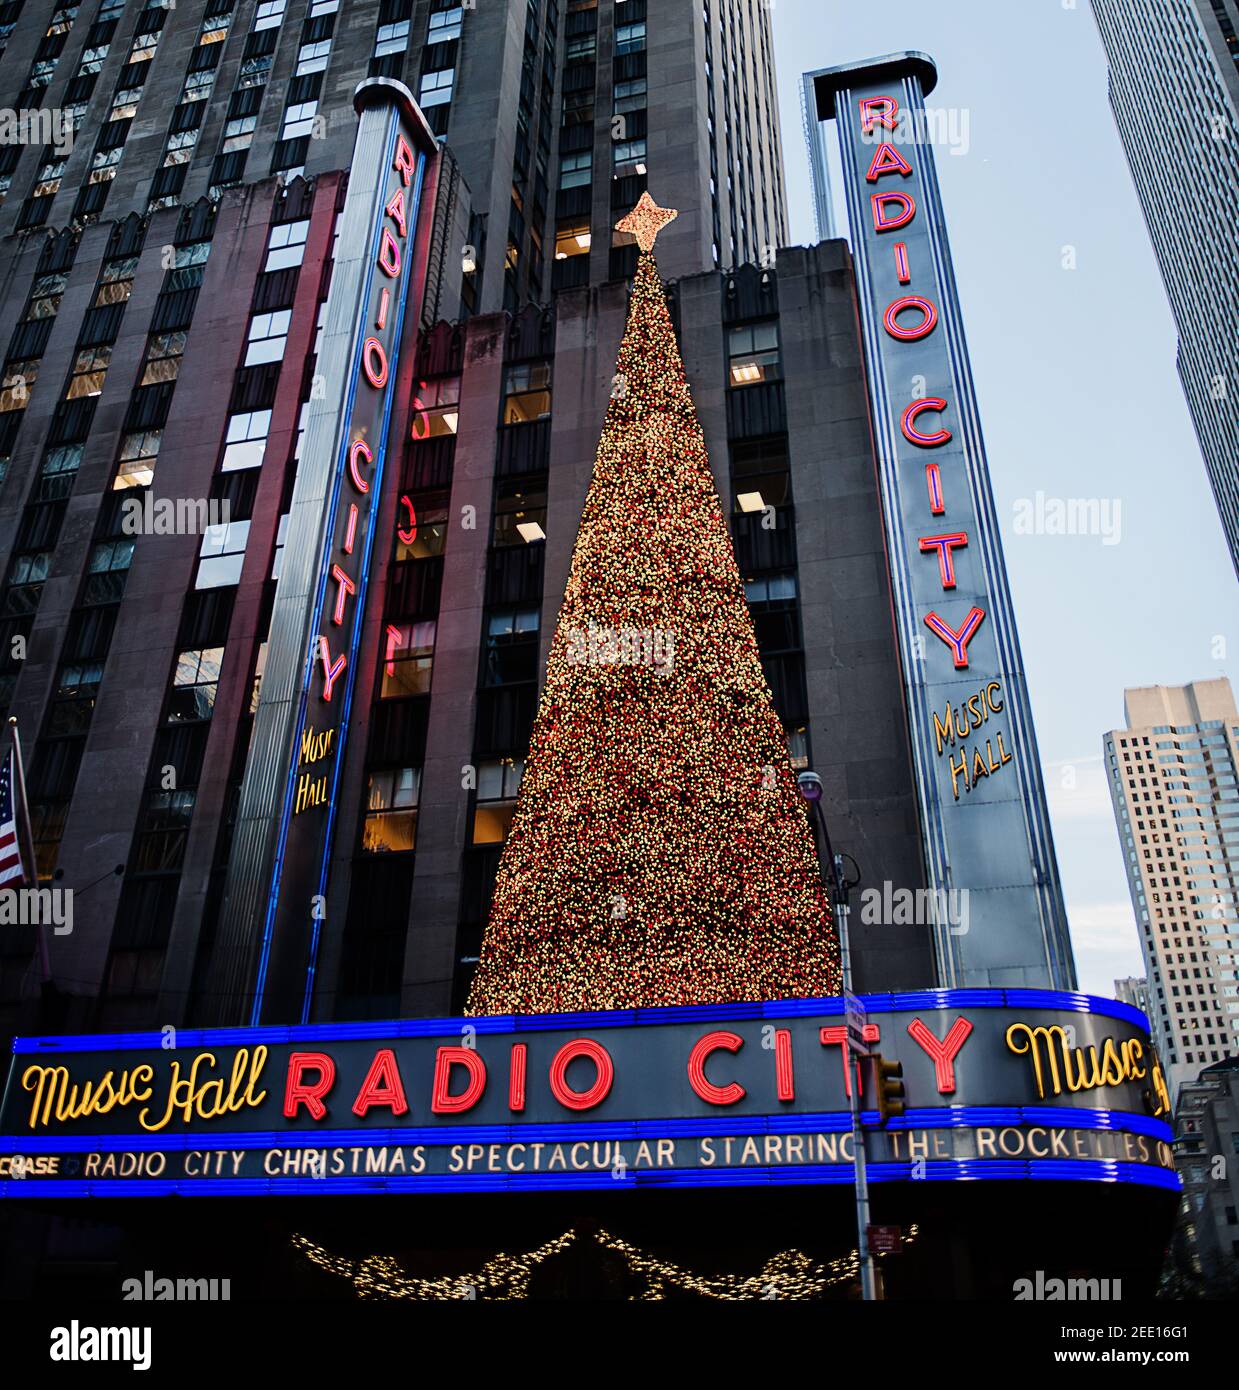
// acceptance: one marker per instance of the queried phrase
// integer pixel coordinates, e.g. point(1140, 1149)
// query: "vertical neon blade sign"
point(276, 897)
point(999, 915)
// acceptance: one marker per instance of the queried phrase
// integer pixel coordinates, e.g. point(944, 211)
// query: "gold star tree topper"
point(645, 221)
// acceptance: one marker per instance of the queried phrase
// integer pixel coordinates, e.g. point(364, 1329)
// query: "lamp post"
point(810, 785)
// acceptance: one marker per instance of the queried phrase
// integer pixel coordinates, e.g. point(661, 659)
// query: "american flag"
point(10, 853)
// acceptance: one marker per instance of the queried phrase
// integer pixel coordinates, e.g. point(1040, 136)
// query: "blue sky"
point(1077, 386)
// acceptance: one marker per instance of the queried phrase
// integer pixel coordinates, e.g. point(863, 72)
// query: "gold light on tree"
point(660, 852)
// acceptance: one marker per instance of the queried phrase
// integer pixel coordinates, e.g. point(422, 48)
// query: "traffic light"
point(888, 1086)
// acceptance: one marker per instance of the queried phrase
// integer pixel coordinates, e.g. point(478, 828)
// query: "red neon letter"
point(933, 481)
point(945, 545)
point(929, 318)
point(785, 1081)
point(714, 1042)
point(360, 449)
point(382, 1086)
point(345, 587)
point(389, 254)
point(907, 423)
point(598, 1092)
point(883, 111)
point(516, 1076)
point(944, 1052)
point(407, 534)
point(310, 1093)
point(374, 362)
point(838, 1033)
point(901, 263)
point(331, 669)
point(395, 210)
point(957, 641)
point(903, 201)
point(403, 160)
point(442, 1102)
point(886, 160)
point(351, 534)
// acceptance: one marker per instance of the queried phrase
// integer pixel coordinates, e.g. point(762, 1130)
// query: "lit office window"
point(163, 358)
point(138, 453)
point(90, 368)
point(16, 383)
point(526, 392)
point(498, 784)
point(520, 513)
point(753, 354)
point(238, 134)
point(116, 281)
point(436, 408)
point(390, 826)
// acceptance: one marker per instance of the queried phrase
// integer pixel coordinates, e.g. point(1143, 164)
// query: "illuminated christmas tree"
point(659, 852)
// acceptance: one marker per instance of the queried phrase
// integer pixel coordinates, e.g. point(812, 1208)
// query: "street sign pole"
point(868, 1274)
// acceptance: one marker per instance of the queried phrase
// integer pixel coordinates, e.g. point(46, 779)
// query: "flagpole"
point(26, 836)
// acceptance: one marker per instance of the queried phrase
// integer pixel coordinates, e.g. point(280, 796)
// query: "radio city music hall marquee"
point(983, 808)
point(1018, 1084)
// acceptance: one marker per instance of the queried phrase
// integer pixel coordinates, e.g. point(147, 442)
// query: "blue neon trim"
point(942, 1170)
point(562, 1131)
point(905, 1002)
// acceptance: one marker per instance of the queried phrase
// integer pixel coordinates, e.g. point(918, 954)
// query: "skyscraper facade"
point(168, 276)
point(1174, 90)
point(1173, 772)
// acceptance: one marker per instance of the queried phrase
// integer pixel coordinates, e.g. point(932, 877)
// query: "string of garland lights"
point(659, 852)
point(790, 1275)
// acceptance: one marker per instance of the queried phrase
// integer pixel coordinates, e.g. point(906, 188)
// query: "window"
point(436, 87)
point(572, 238)
point(92, 60)
point(138, 452)
point(629, 96)
point(393, 38)
point(103, 165)
point(753, 354)
point(629, 157)
point(116, 281)
point(299, 120)
point(215, 30)
point(30, 569)
point(286, 245)
point(49, 176)
point(580, 48)
point(511, 652)
point(312, 57)
point(105, 571)
point(163, 358)
point(526, 392)
point(198, 84)
point(498, 783)
point(520, 513)
point(222, 554)
point(578, 108)
point(268, 336)
point(144, 46)
point(760, 474)
point(254, 73)
point(80, 680)
point(125, 104)
point(187, 266)
point(408, 660)
point(436, 408)
point(391, 811)
point(269, 14)
point(576, 170)
point(629, 38)
point(245, 440)
point(90, 368)
point(445, 25)
point(195, 684)
point(180, 147)
point(15, 384)
point(238, 134)
point(421, 530)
